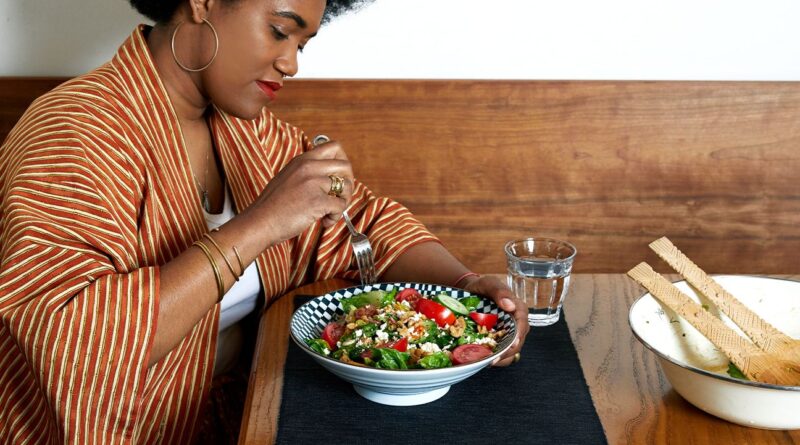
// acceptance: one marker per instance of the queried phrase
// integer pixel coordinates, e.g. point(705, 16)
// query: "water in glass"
point(539, 274)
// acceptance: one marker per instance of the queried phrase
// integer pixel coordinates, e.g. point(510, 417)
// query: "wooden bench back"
point(609, 166)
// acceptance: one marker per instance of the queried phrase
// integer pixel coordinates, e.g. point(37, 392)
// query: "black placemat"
point(542, 399)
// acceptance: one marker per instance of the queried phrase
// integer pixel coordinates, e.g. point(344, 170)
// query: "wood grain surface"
point(607, 165)
point(633, 399)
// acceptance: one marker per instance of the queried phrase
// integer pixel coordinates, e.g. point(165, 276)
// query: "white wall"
point(524, 39)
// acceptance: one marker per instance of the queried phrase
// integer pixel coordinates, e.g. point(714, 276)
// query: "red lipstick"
point(269, 88)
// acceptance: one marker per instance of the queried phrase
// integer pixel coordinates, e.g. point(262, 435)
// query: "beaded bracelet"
point(217, 274)
point(466, 275)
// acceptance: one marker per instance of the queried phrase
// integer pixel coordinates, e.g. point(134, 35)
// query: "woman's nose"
point(287, 64)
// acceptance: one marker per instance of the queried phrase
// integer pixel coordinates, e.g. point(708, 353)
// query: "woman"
point(111, 281)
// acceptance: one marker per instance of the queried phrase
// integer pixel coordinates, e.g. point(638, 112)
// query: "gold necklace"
point(203, 191)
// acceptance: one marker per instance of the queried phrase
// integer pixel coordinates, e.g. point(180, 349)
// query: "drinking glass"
point(538, 274)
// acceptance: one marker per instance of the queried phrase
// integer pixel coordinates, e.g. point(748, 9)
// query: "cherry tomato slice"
point(470, 353)
point(400, 344)
point(486, 320)
point(436, 312)
point(410, 295)
point(331, 334)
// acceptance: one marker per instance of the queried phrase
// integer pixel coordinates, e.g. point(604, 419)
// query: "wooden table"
point(633, 399)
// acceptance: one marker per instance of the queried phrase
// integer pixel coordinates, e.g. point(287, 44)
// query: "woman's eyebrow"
point(291, 15)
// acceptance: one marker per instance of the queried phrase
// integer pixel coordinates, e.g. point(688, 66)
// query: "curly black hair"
point(161, 11)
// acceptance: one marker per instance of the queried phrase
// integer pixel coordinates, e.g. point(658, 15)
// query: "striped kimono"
point(96, 192)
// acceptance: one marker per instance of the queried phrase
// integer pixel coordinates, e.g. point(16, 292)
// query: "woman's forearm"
point(188, 286)
point(427, 262)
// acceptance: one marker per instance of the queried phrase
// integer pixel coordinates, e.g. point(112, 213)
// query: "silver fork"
point(362, 249)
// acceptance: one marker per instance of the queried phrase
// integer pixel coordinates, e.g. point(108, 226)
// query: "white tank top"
point(240, 300)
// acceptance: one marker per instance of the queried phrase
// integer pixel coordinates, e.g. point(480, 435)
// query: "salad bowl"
point(701, 374)
point(399, 387)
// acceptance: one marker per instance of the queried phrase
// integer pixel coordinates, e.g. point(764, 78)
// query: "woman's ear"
point(200, 9)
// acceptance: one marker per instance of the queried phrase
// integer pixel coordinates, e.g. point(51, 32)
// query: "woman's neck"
point(183, 88)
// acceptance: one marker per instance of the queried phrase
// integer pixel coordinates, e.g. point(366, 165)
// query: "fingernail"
point(494, 362)
point(508, 304)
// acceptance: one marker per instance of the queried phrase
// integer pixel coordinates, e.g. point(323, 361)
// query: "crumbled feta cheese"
point(430, 347)
point(326, 351)
point(381, 335)
point(486, 341)
point(383, 327)
point(416, 317)
point(406, 303)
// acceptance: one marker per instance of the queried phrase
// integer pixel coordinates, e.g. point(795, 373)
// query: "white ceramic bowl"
point(388, 386)
point(698, 371)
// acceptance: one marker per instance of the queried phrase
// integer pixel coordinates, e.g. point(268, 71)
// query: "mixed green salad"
point(406, 330)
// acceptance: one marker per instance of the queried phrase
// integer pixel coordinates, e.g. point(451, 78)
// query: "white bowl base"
point(401, 399)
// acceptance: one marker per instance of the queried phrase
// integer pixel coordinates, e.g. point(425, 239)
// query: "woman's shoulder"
point(77, 104)
point(87, 113)
point(98, 92)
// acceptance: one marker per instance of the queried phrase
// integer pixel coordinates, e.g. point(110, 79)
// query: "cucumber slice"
point(452, 304)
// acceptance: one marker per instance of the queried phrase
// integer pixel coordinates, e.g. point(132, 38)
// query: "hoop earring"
point(216, 48)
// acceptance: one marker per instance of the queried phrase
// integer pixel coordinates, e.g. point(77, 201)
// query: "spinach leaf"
point(470, 302)
point(375, 298)
point(469, 337)
point(319, 345)
point(388, 298)
point(436, 360)
point(355, 352)
point(369, 329)
point(391, 359)
point(443, 338)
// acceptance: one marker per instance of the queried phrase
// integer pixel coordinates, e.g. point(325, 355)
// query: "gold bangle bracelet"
point(219, 249)
point(235, 252)
point(238, 258)
point(217, 274)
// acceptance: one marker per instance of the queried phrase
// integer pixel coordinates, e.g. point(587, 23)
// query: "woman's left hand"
point(494, 288)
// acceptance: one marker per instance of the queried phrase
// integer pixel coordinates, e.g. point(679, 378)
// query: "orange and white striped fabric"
point(96, 192)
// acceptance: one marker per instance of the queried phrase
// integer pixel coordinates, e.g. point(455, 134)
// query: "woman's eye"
point(278, 34)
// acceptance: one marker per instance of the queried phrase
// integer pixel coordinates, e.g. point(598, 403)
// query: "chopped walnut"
point(416, 355)
point(457, 329)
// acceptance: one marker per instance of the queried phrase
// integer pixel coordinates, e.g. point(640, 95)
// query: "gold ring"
point(337, 186)
point(517, 356)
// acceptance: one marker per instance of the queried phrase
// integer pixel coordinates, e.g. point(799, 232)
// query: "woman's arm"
point(292, 201)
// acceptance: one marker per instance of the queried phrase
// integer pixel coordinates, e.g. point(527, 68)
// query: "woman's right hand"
point(298, 195)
